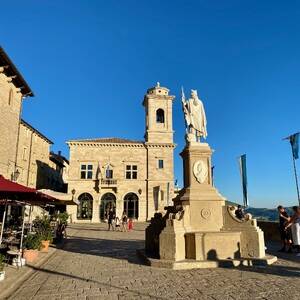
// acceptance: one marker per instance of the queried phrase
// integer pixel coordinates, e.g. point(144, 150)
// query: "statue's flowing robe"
point(197, 117)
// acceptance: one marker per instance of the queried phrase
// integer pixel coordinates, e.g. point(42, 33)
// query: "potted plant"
point(63, 218)
point(2, 272)
point(32, 244)
point(44, 230)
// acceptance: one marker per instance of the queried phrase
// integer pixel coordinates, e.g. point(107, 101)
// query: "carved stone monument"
point(199, 231)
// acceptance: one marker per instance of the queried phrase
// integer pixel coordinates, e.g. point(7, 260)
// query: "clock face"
point(200, 171)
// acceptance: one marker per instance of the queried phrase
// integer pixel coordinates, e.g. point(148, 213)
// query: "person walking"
point(294, 223)
point(118, 228)
point(111, 217)
point(124, 221)
point(285, 233)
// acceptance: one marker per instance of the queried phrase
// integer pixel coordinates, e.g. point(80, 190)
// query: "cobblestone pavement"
point(97, 264)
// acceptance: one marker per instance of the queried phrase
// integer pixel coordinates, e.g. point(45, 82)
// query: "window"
point(10, 97)
point(24, 153)
point(160, 163)
point(109, 172)
point(86, 171)
point(131, 172)
point(160, 116)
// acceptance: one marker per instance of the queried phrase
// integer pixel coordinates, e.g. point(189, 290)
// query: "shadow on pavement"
point(118, 249)
point(286, 271)
point(138, 293)
point(272, 248)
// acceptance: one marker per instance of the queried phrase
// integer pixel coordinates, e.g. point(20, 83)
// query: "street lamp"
point(15, 175)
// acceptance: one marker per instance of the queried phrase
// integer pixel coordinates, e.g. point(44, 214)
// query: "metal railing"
point(108, 181)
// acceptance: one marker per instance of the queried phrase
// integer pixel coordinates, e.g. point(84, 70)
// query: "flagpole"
point(296, 178)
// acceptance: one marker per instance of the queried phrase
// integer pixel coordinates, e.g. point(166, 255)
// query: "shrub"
point(32, 241)
point(63, 218)
point(2, 258)
point(43, 228)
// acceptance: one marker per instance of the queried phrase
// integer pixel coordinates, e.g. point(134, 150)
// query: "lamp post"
point(15, 175)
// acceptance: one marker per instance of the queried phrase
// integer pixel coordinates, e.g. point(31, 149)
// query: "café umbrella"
point(12, 193)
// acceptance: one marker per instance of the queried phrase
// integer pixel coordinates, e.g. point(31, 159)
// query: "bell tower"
point(160, 149)
point(158, 107)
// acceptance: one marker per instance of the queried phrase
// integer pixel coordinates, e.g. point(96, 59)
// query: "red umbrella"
point(14, 191)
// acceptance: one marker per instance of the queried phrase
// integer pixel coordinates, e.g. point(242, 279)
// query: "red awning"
point(13, 191)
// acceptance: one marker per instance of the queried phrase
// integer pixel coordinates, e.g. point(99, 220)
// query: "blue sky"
point(90, 63)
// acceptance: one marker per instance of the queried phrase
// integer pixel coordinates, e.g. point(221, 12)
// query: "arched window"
point(160, 116)
point(131, 205)
point(108, 201)
point(10, 96)
point(85, 207)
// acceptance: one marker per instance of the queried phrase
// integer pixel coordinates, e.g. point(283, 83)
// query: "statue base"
point(199, 231)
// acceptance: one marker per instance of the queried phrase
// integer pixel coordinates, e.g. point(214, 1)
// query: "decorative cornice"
point(120, 145)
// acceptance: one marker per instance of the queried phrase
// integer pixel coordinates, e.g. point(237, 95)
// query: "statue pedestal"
point(202, 203)
point(199, 231)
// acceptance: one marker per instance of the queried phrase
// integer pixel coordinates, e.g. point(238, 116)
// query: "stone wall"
point(270, 230)
point(36, 168)
point(10, 103)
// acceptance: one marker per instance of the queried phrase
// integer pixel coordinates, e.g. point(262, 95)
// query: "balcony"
point(108, 182)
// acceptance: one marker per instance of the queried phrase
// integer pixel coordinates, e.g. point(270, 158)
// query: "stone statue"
point(195, 117)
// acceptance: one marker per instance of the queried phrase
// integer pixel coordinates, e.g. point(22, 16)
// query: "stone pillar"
point(201, 201)
point(171, 241)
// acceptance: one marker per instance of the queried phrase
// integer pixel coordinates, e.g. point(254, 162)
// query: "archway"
point(85, 207)
point(108, 201)
point(131, 205)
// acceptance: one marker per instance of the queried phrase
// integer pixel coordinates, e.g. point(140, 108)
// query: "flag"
point(98, 172)
point(243, 171)
point(294, 140)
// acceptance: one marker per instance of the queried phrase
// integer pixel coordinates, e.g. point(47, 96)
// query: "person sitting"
point(239, 213)
point(285, 233)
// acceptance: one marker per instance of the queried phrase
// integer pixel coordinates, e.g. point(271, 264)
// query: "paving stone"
point(96, 264)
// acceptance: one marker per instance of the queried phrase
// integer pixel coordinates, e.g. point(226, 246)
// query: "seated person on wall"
point(239, 213)
point(285, 233)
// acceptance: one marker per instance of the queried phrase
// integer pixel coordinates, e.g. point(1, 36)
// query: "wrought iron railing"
point(108, 181)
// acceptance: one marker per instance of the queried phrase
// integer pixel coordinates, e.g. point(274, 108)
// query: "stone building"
point(37, 166)
point(25, 154)
point(131, 176)
point(13, 89)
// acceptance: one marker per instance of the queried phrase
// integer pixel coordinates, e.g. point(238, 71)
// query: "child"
point(130, 224)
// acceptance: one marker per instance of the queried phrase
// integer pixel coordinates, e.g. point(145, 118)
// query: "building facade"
point(37, 166)
point(13, 89)
point(131, 176)
point(25, 154)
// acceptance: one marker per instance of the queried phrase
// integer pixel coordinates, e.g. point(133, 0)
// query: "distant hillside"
point(266, 213)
